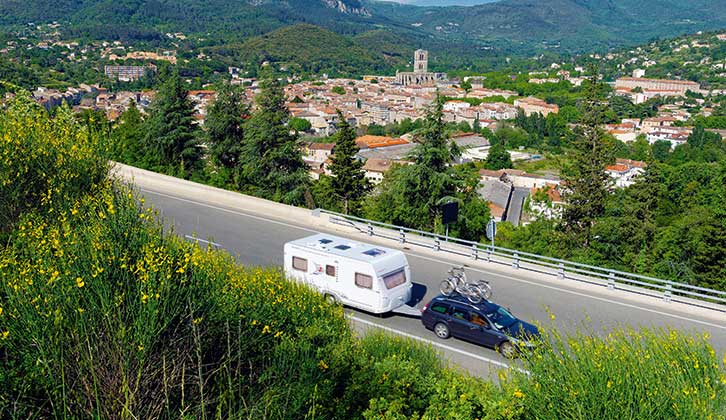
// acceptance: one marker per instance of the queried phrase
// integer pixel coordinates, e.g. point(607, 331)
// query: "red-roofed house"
point(625, 171)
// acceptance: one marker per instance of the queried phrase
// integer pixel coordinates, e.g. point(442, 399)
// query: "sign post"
point(449, 214)
point(492, 231)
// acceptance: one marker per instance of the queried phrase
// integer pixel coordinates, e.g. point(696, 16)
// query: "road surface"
point(258, 239)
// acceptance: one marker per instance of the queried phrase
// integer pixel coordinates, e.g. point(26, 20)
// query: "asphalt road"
point(258, 240)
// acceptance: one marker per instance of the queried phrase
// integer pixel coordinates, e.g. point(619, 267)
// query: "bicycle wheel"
point(485, 288)
point(447, 287)
point(473, 293)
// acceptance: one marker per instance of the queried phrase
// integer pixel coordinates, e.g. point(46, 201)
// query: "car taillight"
point(425, 307)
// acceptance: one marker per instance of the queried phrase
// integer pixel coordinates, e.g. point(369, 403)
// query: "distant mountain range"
point(444, 3)
point(570, 25)
point(513, 26)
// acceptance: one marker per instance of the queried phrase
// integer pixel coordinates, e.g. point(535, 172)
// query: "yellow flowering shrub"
point(639, 374)
point(45, 163)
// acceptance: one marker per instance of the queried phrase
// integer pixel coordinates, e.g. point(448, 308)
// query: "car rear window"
point(440, 308)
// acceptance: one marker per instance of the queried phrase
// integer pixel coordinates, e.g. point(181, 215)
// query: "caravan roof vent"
point(325, 241)
point(342, 247)
point(374, 252)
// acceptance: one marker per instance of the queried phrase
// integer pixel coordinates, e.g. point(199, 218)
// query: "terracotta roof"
point(495, 210)
point(371, 142)
point(552, 192)
point(377, 165)
point(631, 163)
point(201, 92)
point(487, 172)
point(617, 168)
point(677, 82)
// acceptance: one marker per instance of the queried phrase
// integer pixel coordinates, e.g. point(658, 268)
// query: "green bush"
point(45, 163)
point(627, 374)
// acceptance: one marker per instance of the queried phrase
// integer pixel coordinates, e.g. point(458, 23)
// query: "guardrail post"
point(515, 263)
point(475, 252)
point(668, 293)
point(370, 229)
point(437, 244)
point(561, 271)
point(489, 253)
point(611, 281)
point(402, 238)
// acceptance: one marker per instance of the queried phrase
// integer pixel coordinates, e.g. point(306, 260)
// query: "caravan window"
point(395, 279)
point(300, 264)
point(330, 270)
point(363, 280)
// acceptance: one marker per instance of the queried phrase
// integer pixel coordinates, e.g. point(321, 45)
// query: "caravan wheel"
point(331, 299)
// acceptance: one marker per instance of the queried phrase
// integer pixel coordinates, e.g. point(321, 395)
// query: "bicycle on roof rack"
point(457, 282)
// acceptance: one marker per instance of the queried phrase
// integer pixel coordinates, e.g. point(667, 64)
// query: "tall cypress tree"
point(128, 137)
point(349, 182)
point(225, 125)
point(410, 194)
point(271, 160)
point(587, 185)
point(172, 137)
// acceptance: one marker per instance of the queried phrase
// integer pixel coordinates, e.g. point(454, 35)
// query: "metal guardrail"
point(563, 269)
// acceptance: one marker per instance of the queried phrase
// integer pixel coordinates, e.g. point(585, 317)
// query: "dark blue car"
point(485, 323)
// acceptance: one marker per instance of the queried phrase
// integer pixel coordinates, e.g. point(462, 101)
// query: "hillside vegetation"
point(307, 48)
point(521, 26)
point(563, 25)
point(697, 57)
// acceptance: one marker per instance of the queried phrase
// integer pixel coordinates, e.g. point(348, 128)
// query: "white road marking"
point(433, 343)
point(193, 238)
point(614, 302)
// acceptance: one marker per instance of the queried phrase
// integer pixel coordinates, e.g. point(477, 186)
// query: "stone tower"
point(421, 61)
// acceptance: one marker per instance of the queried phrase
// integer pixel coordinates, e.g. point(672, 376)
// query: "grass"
point(548, 165)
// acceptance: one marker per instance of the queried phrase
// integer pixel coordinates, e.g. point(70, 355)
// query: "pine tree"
point(349, 182)
point(172, 139)
point(476, 127)
point(128, 137)
point(225, 126)
point(587, 185)
point(271, 159)
point(410, 194)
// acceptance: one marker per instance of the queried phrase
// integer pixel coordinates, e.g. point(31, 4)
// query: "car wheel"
point(508, 350)
point(331, 299)
point(441, 330)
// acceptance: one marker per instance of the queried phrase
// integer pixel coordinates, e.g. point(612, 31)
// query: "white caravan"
point(369, 277)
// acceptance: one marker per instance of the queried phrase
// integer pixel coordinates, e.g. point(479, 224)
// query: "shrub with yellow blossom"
point(45, 163)
point(637, 374)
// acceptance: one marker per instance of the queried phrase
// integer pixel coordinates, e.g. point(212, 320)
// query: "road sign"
point(450, 212)
point(491, 229)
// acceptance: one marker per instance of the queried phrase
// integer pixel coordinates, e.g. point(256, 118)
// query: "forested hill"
point(563, 24)
point(305, 48)
point(515, 26)
point(224, 18)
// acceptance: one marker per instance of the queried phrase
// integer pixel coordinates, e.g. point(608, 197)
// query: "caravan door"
point(324, 276)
